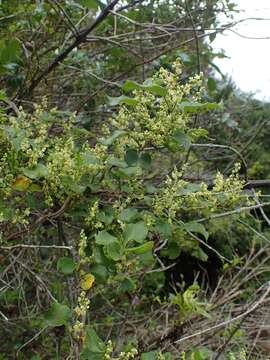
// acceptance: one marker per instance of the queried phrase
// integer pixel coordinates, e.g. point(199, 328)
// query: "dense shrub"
point(99, 212)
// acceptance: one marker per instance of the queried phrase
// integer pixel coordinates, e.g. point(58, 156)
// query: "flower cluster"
point(178, 198)
point(83, 301)
point(80, 313)
point(82, 247)
point(170, 198)
point(230, 188)
point(83, 305)
point(124, 355)
point(91, 218)
point(154, 119)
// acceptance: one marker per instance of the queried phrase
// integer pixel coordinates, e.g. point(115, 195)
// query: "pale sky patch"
point(249, 63)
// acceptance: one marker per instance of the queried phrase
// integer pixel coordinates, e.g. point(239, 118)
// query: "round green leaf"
point(131, 157)
point(129, 214)
point(100, 272)
point(145, 160)
point(126, 285)
point(142, 248)
point(104, 238)
point(57, 315)
point(37, 172)
point(114, 250)
point(66, 265)
point(195, 227)
point(136, 232)
point(94, 348)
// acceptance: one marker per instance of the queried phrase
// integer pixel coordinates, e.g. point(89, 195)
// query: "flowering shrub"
point(110, 207)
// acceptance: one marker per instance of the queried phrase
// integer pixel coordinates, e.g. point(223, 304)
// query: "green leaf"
point(89, 158)
point(182, 139)
point(76, 188)
point(117, 162)
point(125, 173)
point(37, 172)
point(100, 258)
point(147, 259)
point(130, 85)
point(199, 254)
point(197, 228)
point(131, 157)
point(131, 171)
point(57, 315)
point(94, 348)
point(211, 84)
point(9, 51)
point(145, 160)
point(141, 249)
point(212, 36)
point(202, 354)
point(100, 272)
point(217, 68)
point(106, 216)
point(152, 355)
point(168, 356)
point(164, 229)
point(150, 189)
point(91, 4)
point(156, 90)
point(114, 250)
point(34, 188)
point(195, 107)
point(114, 101)
point(2, 95)
point(6, 212)
point(109, 141)
point(104, 238)
point(128, 215)
point(66, 265)
point(172, 251)
point(136, 232)
point(149, 86)
point(126, 285)
point(190, 188)
point(72, 185)
point(154, 281)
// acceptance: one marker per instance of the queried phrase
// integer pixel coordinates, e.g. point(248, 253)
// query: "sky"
point(249, 62)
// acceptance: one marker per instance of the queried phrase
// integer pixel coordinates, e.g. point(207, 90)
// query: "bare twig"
point(232, 212)
point(226, 147)
point(33, 338)
point(41, 220)
point(31, 246)
point(80, 38)
point(227, 322)
point(261, 209)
